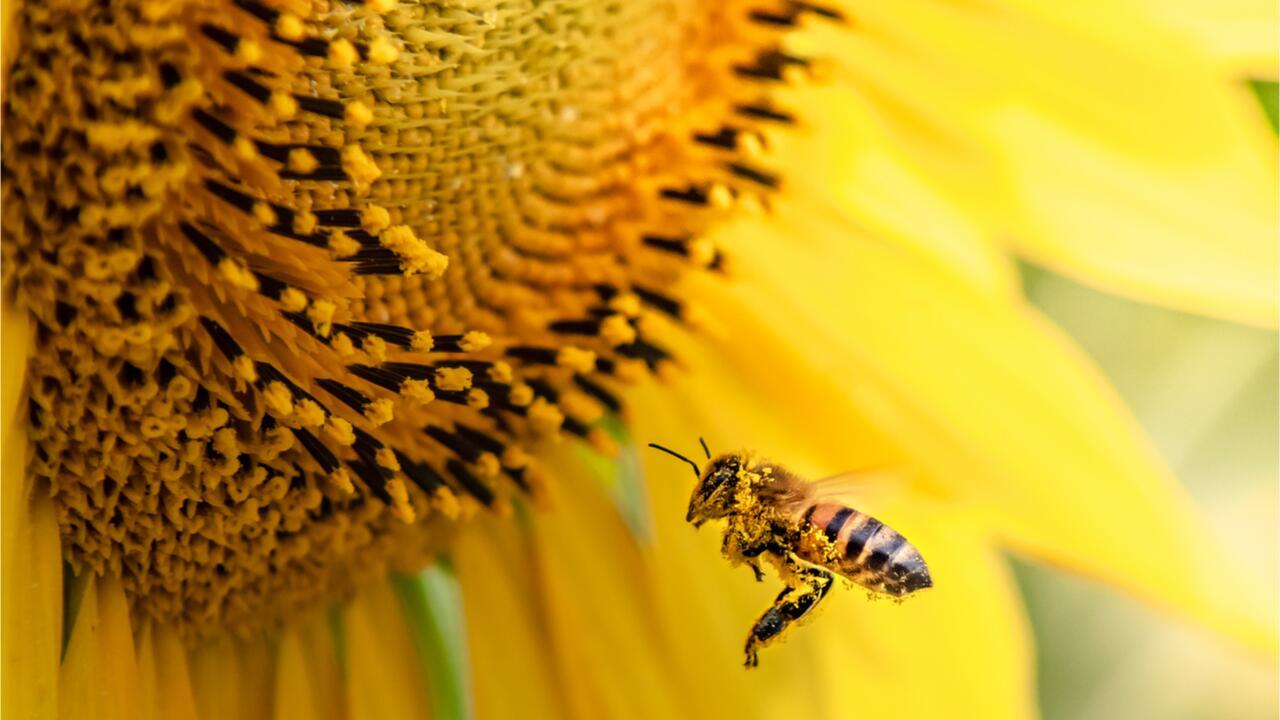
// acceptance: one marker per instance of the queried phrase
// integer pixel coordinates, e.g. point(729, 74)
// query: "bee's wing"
point(867, 487)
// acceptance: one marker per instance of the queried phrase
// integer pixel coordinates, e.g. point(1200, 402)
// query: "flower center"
point(306, 277)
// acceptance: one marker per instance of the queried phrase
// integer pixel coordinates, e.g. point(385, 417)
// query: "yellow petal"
point(1240, 37)
point(383, 676)
point(32, 592)
point(99, 675)
point(295, 695)
point(30, 554)
point(1122, 161)
point(319, 666)
point(165, 682)
point(506, 640)
point(886, 357)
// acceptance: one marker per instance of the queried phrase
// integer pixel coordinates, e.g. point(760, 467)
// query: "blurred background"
point(1206, 392)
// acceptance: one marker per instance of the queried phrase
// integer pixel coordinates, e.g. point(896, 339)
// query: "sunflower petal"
point(295, 692)
point(99, 674)
point(32, 604)
point(995, 407)
point(384, 675)
point(507, 640)
point(31, 608)
point(1121, 161)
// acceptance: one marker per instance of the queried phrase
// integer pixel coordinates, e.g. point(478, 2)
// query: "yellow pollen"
point(387, 459)
point(237, 274)
point(418, 391)
point(309, 413)
point(321, 315)
point(382, 52)
point(342, 54)
point(617, 331)
point(293, 300)
point(264, 213)
point(248, 52)
point(580, 406)
point(720, 197)
point(487, 465)
point(521, 395)
point(500, 372)
point(380, 6)
point(283, 106)
point(304, 223)
point(341, 344)
point(359, 167)
point(477, 399)
point(515, 458)
point(446, 502)
point(750, 144)
point(243, 367)
point(339, 431)
point(422, 342)
point(453, 378)
point(627, 303)
point(400, 505)
point(375, 347)
point(341, 481)
point(244, 148)
point(278, 398)
point(289, 27)
point(343, 245)
point(380, 412)
point(357, 114)
point(629, 370)
point(474, 341)
point(415, 255)
point(702, 252)
point(577, 359)
point(545, 417)
point(301, 160)
point(374, 219)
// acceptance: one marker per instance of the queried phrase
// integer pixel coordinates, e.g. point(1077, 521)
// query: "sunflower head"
point(308, 277)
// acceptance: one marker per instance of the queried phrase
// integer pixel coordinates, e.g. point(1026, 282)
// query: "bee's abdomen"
point(862, 549)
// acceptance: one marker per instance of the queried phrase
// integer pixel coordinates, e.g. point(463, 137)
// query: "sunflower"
point(301, 295)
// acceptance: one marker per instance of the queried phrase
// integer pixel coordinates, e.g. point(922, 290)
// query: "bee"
point(805, 530)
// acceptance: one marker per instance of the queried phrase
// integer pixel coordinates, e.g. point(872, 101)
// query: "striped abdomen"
point(862, 549)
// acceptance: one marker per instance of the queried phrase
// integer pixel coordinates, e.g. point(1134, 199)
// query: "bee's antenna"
point(704, 447)
point(696, 472)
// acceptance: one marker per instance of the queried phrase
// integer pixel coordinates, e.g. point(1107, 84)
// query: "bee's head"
point(713, 496)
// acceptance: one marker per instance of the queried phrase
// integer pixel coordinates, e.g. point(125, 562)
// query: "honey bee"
point(805, 530)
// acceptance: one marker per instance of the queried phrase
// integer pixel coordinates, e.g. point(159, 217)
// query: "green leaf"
point(1268, 92)
point(432, 600)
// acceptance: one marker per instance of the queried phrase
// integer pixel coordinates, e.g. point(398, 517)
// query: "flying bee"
point(804, 528)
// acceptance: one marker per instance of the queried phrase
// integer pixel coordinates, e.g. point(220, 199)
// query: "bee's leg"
point(751, 555)
point(734, 548)
point(793, 603)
